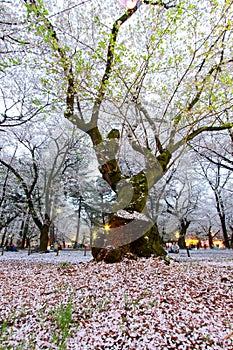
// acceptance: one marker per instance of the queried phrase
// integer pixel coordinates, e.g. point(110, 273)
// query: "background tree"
point(38, 168)
point(11, 204)
point(21, 98)
point(181, 197)
point(218, 179)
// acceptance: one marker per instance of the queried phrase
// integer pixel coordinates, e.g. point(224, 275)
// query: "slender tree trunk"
point(224, 230)
point(21, 232)
point(52, 236)
point(3, 242)
point(210, 238)
point(222, 217)
point(231, 227)
point(3, 237)
point(25, 231)
point(184, 226)
point(44, 234)
point(78, 221)
point(29, 246)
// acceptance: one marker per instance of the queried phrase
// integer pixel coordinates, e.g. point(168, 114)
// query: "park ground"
point(70, 302)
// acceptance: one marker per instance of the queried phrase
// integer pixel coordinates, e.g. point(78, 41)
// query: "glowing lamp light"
point(177, 234)
point(129, 4)
point(107, 227)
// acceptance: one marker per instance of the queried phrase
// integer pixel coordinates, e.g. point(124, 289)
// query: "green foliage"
point(3, 327)
point(64, 264)
point(63, 318)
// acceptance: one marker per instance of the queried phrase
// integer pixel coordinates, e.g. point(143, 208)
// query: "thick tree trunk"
point(136, 236)
point(149, 244)
point(145, 246)
point(44, 238)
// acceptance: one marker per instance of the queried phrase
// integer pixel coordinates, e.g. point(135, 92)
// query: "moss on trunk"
point(134, 236)
point(145, 246)
point(149, 244)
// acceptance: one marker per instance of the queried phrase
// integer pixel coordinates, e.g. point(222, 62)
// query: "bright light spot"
point(177, 234)
point(107, 227)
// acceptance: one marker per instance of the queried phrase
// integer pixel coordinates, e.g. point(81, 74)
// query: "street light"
point(107, 227)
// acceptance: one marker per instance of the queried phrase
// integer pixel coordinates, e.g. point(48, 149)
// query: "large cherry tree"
point(141, 84)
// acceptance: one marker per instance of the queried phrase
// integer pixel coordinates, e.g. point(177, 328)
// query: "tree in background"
point(38, 167)
point(219, 179)
point(11, 206)
point(181, 197)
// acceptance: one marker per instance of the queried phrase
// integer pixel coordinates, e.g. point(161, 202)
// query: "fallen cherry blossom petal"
point(143, 304)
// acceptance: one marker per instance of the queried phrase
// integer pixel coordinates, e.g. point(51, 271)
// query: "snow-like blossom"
point(141, 304)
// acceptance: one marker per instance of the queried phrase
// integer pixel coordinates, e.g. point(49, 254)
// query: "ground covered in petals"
point(143, 304)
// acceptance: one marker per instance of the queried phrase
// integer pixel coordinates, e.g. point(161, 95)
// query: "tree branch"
point(26, 191)
point(109, 64)
point(197, 132)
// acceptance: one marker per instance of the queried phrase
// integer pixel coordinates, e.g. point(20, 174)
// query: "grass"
point(63, 318)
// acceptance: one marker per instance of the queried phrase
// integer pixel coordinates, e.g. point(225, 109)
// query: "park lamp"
point(107, 227)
